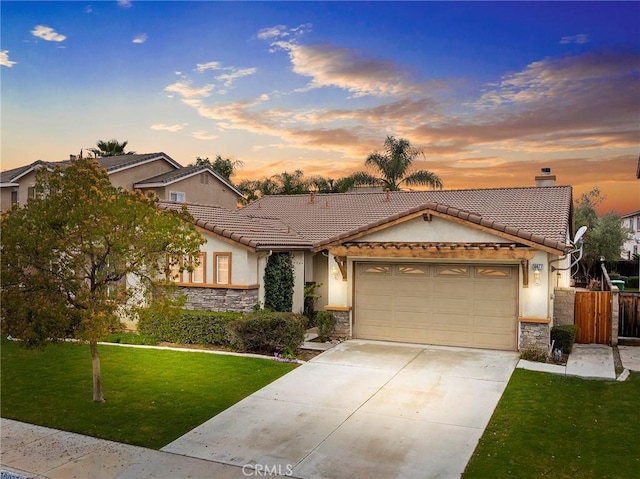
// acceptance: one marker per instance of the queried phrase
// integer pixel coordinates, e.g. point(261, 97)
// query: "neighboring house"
point(462, 268)
point(632, 245)
point(155, 173)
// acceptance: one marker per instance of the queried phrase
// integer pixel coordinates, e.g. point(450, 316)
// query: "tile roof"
point(539, 215)
point(8, 176)
point(111, 163)
point(256, 233)
point(184, 172)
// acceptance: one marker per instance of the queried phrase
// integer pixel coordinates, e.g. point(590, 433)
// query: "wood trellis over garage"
point(431, 250)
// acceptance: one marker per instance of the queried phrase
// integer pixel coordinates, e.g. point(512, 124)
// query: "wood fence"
point(593, 317)
point(629, 316)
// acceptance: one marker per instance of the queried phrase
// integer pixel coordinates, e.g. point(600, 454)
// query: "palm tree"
point(110, 148)
point(393, 167)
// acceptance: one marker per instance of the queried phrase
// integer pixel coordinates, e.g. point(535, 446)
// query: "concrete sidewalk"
point(590, 361)
point(29, 451)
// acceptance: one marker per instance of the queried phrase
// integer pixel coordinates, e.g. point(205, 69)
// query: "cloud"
point(141, 38)
point(203, 135)
point(47, 33)
point(4, 59)
point(282, 31)
point(124, 3)
point(184, 89)
point(557, 104)
point(343, 68)
point(88, 9)
point(278, 31)
point(171, 128)
point(579, 39)
point(201, 67)
point(229, 78)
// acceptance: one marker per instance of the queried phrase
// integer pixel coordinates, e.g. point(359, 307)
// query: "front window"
point(223, 268)
point(14, 197)
point(177, 196)
point(174, 269)
point(198, 268)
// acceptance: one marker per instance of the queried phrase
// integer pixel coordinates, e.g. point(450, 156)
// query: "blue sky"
point(491, 91)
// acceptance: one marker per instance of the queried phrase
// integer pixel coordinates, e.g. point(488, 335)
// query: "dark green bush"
point(632, 283)
point(564, 336)
point(131, 338)
point(190, 327)
point(326, 323)
point(278, 282)
point(268, 332)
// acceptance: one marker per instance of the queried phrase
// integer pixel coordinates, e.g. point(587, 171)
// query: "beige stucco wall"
point(436, 230)
point(126, 178)
point(243, 262)
point(214, 193)
point(5, 197)
point(25, 182)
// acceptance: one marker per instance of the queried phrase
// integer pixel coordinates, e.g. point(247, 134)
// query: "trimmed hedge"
point(564, 336)
point(632, 283)
point(262, 331)
point(190, 327)
point(268, 332)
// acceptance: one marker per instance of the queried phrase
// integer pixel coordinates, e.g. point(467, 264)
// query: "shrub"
point(534, 354)
point(268, 332)
point(189, 327)
point(278, 282)
point(633, 282)
point(131, 338)
point(326, 323)
point(564, 335)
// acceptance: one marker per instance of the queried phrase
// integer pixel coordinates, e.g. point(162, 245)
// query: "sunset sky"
point(490, 91)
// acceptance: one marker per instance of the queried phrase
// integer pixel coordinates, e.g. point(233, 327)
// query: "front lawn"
point(555, 426)
point(152, 396)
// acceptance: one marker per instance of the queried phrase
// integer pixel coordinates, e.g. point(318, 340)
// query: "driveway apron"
point(362, 409)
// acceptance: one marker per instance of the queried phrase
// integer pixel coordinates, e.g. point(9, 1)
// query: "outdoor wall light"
point(537, 273)
point(536, 277)
point(335, 272)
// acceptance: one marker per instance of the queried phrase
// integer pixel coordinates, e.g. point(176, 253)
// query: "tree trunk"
point(97, 382)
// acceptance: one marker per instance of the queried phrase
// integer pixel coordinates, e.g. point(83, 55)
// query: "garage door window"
point(451, 271)
point(375, 270)
point(493, 272)
point(413, 270)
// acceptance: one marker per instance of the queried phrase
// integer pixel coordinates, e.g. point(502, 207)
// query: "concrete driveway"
point(362, 409)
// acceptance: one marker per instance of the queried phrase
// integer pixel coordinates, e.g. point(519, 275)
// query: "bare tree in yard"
point(66, 256)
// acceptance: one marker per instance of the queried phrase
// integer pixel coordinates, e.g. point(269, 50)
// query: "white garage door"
point(447, 304)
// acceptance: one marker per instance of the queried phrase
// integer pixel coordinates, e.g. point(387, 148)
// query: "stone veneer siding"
point(564, 300)
point(534, 336)
point(342, 323)
point(220, 299)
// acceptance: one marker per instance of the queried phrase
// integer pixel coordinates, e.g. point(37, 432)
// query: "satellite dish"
point(579, 234)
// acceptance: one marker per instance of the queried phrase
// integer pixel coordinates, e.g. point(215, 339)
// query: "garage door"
point(447, 304)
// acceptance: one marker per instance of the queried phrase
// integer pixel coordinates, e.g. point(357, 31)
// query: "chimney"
point(545, 178)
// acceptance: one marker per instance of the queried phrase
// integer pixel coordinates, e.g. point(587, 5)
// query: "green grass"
point(152, 396)
point(555, 426)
